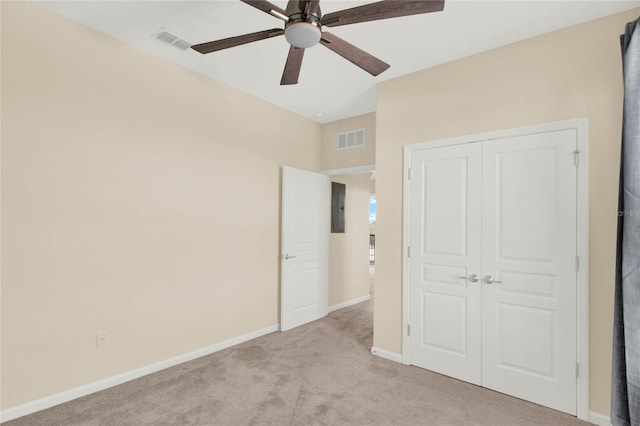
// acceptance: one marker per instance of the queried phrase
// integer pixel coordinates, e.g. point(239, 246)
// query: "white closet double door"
point(492, 272)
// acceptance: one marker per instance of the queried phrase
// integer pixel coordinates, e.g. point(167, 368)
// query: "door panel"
point(304, 288)
point(529, 244)
point(445, 245)
point(439, 309)
point(531, 172)
point(445, 212)
point(531, 351)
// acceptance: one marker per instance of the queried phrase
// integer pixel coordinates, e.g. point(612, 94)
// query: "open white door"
point(304, 282)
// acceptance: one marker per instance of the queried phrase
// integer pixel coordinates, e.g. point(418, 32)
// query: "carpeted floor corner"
point(318, 374)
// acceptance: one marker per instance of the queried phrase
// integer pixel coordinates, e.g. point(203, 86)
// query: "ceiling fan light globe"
point(302, 34)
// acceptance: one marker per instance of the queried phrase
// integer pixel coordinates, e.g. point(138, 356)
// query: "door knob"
point(489, 280)
point(287, 257)
point(473, 278)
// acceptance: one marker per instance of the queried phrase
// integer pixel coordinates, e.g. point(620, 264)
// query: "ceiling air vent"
point(351, 139)
point(169, 38)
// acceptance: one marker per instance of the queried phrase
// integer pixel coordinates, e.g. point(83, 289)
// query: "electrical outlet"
point(239, 307)
point(101, 339)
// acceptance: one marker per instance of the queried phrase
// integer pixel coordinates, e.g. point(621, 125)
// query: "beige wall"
point(334, 159)
point(136, 200)
point(571, 73)
point(349, 252)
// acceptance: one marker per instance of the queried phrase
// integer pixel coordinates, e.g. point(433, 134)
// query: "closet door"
point(529, 251)
point(445, 298)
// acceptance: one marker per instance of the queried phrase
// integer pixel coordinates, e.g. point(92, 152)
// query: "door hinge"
point(576, 157)
point(577, 370)
point(577, 263)
point(409, 174)
point(408, 251)
point(408, 329)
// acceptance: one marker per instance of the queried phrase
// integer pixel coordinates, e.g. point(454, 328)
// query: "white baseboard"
point(349, 303)
point(599, 419)
point(62, 397)
point(382, 353)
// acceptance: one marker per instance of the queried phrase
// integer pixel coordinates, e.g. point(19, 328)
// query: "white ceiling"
point(329, 88)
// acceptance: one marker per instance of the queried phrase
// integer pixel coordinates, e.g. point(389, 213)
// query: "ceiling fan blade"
point(359, 57)
point(266, 7)
point(214, 46)
point(292, 67)
point(381, 10)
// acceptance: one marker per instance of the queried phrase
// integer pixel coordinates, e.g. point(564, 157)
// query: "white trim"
point(582, 285)
point(406, 261)
point(554, 126)
point(71, 394)
point(382, 353)
point(581, 125)
point(599, 419)
point(349, 303)
point(350, 170)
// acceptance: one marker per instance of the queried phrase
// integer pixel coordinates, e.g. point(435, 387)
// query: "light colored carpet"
point(320, 373)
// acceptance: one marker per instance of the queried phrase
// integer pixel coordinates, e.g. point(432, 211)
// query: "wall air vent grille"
point(168, 37)
point(351, 139)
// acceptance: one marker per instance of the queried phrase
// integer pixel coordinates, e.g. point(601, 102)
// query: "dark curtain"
point(625, 396)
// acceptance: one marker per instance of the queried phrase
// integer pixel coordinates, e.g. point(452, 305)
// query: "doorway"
point(349, 274)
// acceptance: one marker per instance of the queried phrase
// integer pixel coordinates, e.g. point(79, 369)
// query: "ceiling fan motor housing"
point(303, 29)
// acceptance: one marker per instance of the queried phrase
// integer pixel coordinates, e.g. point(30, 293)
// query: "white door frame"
point(580, 125)
point(368, 168)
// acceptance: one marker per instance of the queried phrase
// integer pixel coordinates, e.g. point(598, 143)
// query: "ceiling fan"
point(304, 28)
